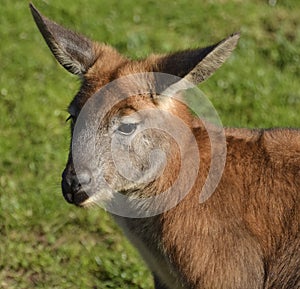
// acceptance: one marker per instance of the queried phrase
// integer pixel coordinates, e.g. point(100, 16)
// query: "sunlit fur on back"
point(246, 235)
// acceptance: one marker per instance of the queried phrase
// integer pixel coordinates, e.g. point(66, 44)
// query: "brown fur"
point(246, 235)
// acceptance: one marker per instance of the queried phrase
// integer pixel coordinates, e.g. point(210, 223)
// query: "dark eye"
point(127, 128)
point(71, 117)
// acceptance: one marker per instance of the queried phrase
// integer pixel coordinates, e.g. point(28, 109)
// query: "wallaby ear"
point(73, 51)
point(198, 64)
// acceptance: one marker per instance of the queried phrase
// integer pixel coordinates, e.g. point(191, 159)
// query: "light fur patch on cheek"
point(100, 198)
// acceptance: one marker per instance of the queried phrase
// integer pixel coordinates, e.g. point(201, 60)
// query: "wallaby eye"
point(127, 128)
point(69, 117)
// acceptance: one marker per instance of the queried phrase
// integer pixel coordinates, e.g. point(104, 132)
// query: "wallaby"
point(245, 235)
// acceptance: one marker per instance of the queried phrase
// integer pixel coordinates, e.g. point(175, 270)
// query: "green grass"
point(46, 243)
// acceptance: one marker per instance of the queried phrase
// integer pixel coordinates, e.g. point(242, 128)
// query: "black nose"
point(75, 187)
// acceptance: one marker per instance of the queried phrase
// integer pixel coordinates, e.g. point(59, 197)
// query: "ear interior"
point(198, 64)
point(216, 56)
point(73, 51)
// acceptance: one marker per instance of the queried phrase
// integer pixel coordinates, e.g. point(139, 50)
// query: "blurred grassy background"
point(46, 243)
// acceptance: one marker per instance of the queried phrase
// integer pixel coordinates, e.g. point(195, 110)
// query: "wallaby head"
point(98, 65)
